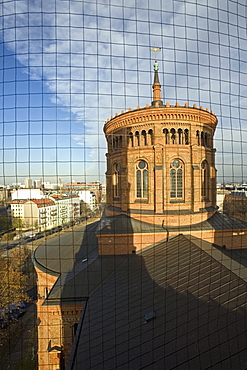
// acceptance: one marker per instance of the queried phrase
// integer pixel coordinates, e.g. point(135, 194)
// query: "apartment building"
point(38, 214)
point(68, 207)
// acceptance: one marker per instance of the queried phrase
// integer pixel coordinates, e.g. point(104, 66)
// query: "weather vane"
point(155, 49)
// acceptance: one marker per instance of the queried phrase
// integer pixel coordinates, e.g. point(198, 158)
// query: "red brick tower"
point(161, 162)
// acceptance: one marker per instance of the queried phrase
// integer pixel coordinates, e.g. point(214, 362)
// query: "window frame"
point(116, 180)
point(141, 180)
point(176, 180)
point(204, 179)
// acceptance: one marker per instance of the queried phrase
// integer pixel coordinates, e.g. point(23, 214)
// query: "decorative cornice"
point(164, 114)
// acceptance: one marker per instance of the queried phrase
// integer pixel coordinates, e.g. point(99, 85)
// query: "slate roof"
point(196, 306)
point(123, 224)
point(61, 253)
point(218, 221)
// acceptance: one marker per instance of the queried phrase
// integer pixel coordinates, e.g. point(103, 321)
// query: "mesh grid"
point(66, 68)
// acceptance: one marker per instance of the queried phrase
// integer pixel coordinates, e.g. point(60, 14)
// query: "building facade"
point(88, 197)
point(45, 213)
point(27, 194)
point(68, 207)
point(39, 214)
point(235, 204)
point(94, 186)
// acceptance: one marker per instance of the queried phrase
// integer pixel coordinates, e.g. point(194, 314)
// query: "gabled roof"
point(19, 201)
point(171, 306)
point(43, 202)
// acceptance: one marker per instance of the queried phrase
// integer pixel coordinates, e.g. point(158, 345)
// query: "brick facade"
point(56, 325)
point(132, 243)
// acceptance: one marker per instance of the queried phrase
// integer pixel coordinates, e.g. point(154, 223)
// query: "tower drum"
point(161, 162)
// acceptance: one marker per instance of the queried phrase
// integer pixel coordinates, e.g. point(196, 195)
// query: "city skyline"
point(67, 67)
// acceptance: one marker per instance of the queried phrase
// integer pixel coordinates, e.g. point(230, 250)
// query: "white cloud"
point(93, 56)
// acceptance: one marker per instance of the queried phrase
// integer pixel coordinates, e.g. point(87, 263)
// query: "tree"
point(18, 223)
point(13, 282)
point(85, 209)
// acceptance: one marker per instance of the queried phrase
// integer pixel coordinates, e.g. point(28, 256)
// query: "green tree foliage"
point(18, 223)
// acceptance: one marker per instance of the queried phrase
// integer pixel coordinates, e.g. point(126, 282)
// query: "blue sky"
point(67, 66)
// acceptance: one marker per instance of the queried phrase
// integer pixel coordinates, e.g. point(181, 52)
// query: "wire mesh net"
point(70, 70)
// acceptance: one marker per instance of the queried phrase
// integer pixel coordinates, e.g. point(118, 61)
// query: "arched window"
point(116, 180)
point(142, 179)
point(202, 139)
point(204, 178)
point(186, 136)
point(150, 137)
point(131, 140)
point(120, 142)
point(180, 136)
point(137, 139)
point(198, 137)
point(173, 135)
point(209, 141)
point(144, 137)
point(176, 179)
point(166, 132)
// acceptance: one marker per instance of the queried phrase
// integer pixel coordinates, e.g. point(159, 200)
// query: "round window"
point(176, 163)
point(142, 165)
